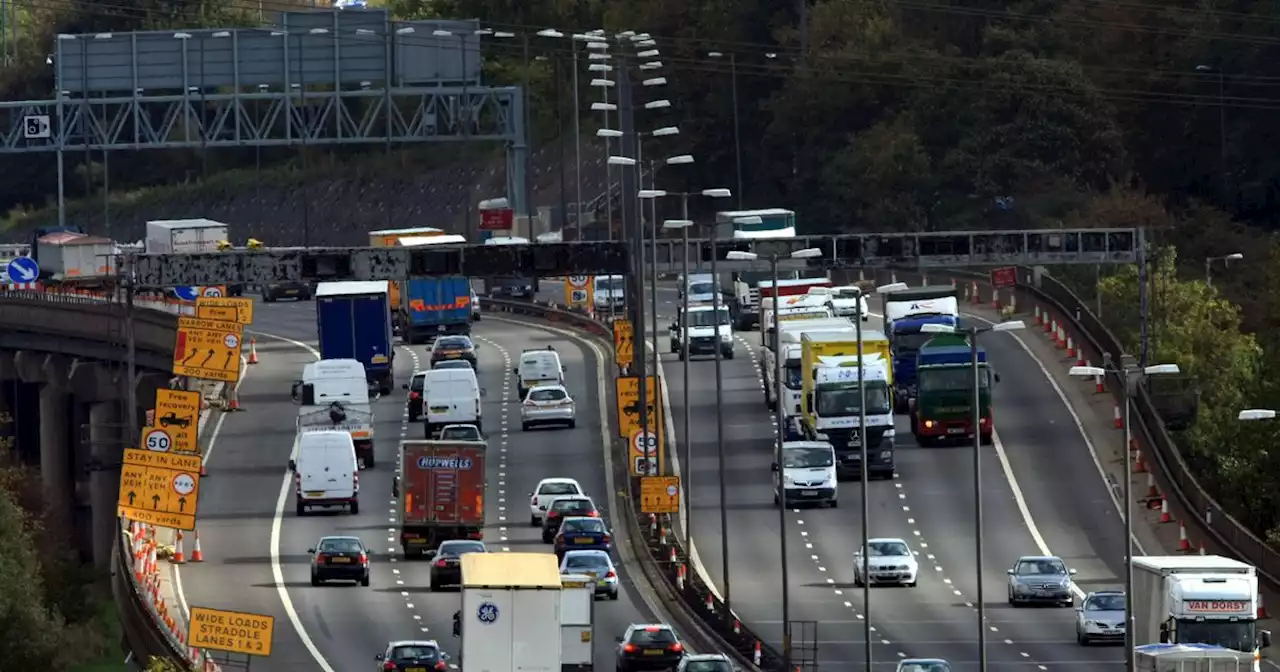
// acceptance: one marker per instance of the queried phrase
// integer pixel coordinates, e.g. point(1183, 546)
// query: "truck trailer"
point(434, 306)
point(354, 322)
point(1197, 599)
point(941, 405)
point(440, 493)
point(906, 312)
point(510, 619)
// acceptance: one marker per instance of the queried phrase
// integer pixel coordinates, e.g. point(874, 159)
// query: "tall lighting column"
point(779, 439)
point(1132, 377)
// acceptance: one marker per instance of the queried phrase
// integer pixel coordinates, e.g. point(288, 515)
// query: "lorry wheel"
point(986, 439)
point(728, 354)
point(368, 462)
point(355, 508)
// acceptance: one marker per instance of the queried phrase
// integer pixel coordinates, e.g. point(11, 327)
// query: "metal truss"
point(413, 114)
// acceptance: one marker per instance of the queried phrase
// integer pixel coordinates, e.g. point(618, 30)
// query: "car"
point(923, 665)
point(595, 564)
point(446, 566)
point(339, 559)
point(1100, 618)
point(412, 656)
point(706, 662)
point(171, 419)
point(460, 433)
point(886, 560)
point(564, 507)
point(448, 348)
point(293, 290)
point(652, 646)
point(548, 405)
point(413, 403)
point(547, 490)
point(583, 532)
point(475, 307)
point(1040, 579)
point(453, 364)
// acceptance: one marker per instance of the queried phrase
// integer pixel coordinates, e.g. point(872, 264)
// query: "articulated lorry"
point(1197, 599)
point(334, 394)
point(354, 322)
point(510, 619)
point(790, 309)
point(433, 306)
point(440, 493)
point(941, 407)
point(1192, 658)
point(831, 403)
point(905, 313)
point(752, 290)
point(787, 346)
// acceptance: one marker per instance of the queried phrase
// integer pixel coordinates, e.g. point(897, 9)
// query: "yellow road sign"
point(660, 494)
point(208, 349)
point(213, 291)
point(156, 440)
point(645, 459)
point(627, 390)
point(231, 631)
point(177, 412)
point(225, 309)
point(578, 291)
point(160, 488)
point(624, 351)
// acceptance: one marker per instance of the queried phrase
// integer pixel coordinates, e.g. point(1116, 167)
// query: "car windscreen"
point(455, 550)
point(558, 489)
point(547, 394)
point(880, 549)
point(588, 525)
point(586, 562)
point(341, 546)
point(572, 505)
point(415, 653)
point(416, 383)
point(660, 636)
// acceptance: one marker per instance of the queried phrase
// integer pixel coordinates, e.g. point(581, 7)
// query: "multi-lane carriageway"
point(255, 547)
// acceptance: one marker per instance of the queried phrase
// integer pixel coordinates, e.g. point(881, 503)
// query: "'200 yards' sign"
point(208, 349)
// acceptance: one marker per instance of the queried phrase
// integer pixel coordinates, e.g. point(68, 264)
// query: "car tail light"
point(530, 403)
point(629, 648)
point(389, 665)
point(593, 514)
point(414, 396)
point(355, 482)
point(441, 563)
point(553, 514)
point(677, 647)
point(608, 539)
point(364, 558)
point(986, 421)
point(440, 665)
point(533, 501)
point(476, 535)
point(611, 575)
point(297, 482)
point(320, 557)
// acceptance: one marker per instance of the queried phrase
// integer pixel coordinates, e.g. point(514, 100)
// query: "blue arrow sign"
point(186, 293)
point(23, 269)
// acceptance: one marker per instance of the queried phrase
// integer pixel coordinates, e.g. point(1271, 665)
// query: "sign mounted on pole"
point(645, 457)
point(232, 631)
point(628, 399)
point(624, 352)
point(177, 413)
point(1004, 277)
point(160, 488)
point(225, 309)
point(208, 349)
point(660, 494)
point(156, 440)
point(577, 291)
point(213, 292)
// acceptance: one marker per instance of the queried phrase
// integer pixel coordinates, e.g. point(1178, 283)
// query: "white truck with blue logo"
point(905, 314)
point(789, 335)
point(511, 615)
point(833, 411)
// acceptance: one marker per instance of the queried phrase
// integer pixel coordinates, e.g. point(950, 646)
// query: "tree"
point(33, 634)
point(883, 176)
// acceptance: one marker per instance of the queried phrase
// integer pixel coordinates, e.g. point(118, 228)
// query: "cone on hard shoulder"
point(253, 350)
point(179, 558)
point(203, 472)
point(1152, 491)
point(1139, 465)
point(197, 555)
point(1116, 419)
point(1184, 544)
point(1071, 346)
point(1099, 387)
point(1165, 516)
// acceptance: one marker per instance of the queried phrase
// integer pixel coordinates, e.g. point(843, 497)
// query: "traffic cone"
point(680, 578)
point(1116, 419)
point(995, 299)
point(1048, 322)
point(1039, 317)
point(1061, 338)
point(672, 559)
point(1164, 511)
point(966, 293)
point(233, 397)
point(1080, 360)
point(1184, 544)
point(1139, 467)
point(737, 627)
point(1071, 346)
point(253, 350)
point(1152, 491)
point(977, 298)
point(711, 603)
point(203, 472)
point(196, 554)
point(755, 654)
point(1262, 608)
point(178, 557)
point(1099, 387)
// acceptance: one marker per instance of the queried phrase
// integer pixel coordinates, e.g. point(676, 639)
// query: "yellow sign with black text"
point(225, 309)
point(160, 488)
point(232, 631)
point(208, 349)
point(660, 494)
point(178, 415)
point(627, 390)
point(624, 349)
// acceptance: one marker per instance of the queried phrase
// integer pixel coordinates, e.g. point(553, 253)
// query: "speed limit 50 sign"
point(156, 440)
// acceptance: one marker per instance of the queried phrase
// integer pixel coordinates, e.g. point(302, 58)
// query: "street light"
point(680, 159)
point(651, 65)
point(657, 104)
point(655, 81)
point(648, 54)
point(1132, 375)
point(610, 133)
point(1256, 414)
point(621, 161)
point(608, 83)
point(779, 437)
point(600, 67)
point(1226, 260)
point(665, 131)
point(972, 334)
point(604, 107)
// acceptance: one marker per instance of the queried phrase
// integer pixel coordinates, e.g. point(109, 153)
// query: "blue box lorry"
point(354, 322)
point(434, 306)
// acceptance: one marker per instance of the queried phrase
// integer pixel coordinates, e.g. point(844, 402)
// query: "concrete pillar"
point(55, 451)
point(104, 483)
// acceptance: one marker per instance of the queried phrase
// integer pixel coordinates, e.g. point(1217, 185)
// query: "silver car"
point(595, 564)
point(1040, 579)
point(1100, 618)
point(548, 405)
point(706, 662)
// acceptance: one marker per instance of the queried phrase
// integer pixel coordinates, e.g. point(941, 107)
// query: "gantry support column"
point(55, 450)
point(104, 480)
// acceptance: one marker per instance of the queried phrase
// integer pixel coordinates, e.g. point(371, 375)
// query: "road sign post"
point(160, 488)
point(623, 348)
point(208, 349)
point(232, 631)
point(177, 412)
point(577, 291)
point(225, 309)
point(644, 453)
point(660, 494)
point(627, 396)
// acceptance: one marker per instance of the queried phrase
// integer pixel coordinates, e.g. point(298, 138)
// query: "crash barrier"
point(1067, 320)
point(701, 615)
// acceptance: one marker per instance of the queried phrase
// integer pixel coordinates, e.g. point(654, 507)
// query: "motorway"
point(1059, 505)
point(255, 546)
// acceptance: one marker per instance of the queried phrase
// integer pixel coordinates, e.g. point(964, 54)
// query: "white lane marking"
point(503, 435)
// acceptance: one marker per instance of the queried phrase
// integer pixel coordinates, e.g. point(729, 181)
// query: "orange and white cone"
point(755, 654)
point(178, 557)
point(976, 297)
point(1184, 544)
point(1080, 360)
point(1152, 491)
point(1039, 317)
point(253, 350)
point(1071, 346)
point(1099, 387)
point(1139, 466)
point(1165, 517)
point(1116, 418)
point(196, 554)
point(711, 603)
point(1048, 322)
point(233, 397)
point(995, 299)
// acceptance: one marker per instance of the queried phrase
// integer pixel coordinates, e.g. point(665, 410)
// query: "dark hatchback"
point(287, 290)
point(413, 404)
point(649, 647)
point(583, 534)
point(339, 559)
point(565, 507)
point(413, 656)
point(446, 567)
point(448, 348)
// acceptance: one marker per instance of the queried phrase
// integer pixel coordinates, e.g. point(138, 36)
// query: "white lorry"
point(790, 309)
point(1192, 658)
point(834, 414)
point(510, 619)
point(706, 327)
point(789, 335)
point(847, 301)
point(1197, 599)
point(184, 236)
point(577, 618)
point(334, 394)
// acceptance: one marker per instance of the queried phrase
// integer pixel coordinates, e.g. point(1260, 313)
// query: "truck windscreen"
point(701, 288)
point(791, 374)
point(610, 284)
point(845, 401)
point(951, 379)
point(905, 343)
point(706, 318)
point(1236, 635)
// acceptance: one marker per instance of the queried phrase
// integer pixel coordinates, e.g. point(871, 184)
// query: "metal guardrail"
point(145, 637)
point(709, 629)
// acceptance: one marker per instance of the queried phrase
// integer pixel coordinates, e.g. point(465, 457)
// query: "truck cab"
point(609, 291)
point(942, 406)
point(790, 334)
point(704, 328)
point(792, 309)
point(905, 313)
point(701, 288)
point(833, 411)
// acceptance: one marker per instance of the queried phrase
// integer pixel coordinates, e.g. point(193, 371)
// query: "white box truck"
point(184, 236)
point(510, 619)
point(1192, 658)
point(1196, 599)
point(577, 616)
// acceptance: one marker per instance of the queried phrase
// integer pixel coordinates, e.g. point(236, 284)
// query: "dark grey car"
point(1040, 579)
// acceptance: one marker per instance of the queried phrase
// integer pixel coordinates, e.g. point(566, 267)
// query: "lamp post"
point(1133, 376)
point(1222, 124)
point(972, 334)
point(1226, 260)
point(737, 138)
point(779, 438)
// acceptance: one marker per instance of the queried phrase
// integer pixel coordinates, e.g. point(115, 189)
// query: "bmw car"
point(1100, 618)
point(1040, 579)
point(446, 566)
point(339, 559)
point(448, 348)
point(649, 647)
point(412, 656)
point(886, 561)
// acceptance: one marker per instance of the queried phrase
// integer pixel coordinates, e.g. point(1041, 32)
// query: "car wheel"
point(573, 424)
point(355, 508)
point(835, 503)
point(301, 509)
point(315, 581)
point(435, 586)
point(728, 354)
point(913, 584)
point(857, 580)
point(1081, 639)
point(546, 539)
point(365, 582)
point(1069, 604)
point(613, 595)
point(524, 426)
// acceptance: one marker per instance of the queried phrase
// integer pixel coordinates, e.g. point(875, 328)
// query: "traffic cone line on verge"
point(977, 298)
point(1080, 360)
point(711, 604)
point(1164, 511)
point(755, 654)
point(1116, 419)
point(233, 397)
point(196, 554)
point(1048, 322)
point(1099, 387)
point(680, 578)
point(966, 293)
point(1152, 491)
point(1071, 346)
point(178, 558)
point(1184, 544)
point(1061, 338)
point(253, 350)
point(1039, 318)
point(1139, 466)
point(737, 627)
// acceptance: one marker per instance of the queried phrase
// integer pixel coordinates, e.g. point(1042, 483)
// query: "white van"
point(450, 397)
point(333, 394)
point(537, 367)
point(807, 474)
point(324, 471)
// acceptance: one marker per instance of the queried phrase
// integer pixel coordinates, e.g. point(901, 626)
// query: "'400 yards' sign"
point(208, 349)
